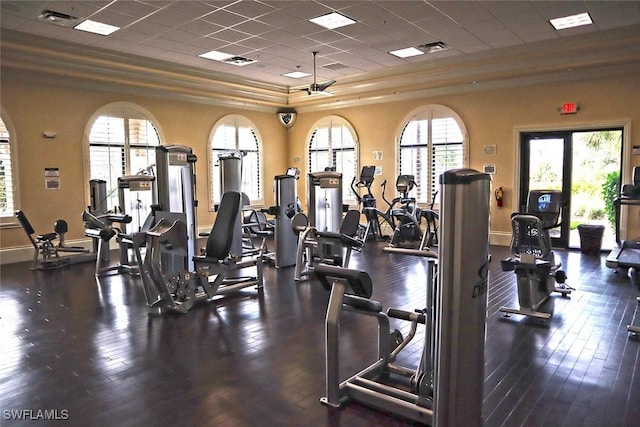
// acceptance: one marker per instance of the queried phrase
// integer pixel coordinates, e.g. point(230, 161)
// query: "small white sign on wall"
point(490, 169)
point(490, 150)
point(52, 178)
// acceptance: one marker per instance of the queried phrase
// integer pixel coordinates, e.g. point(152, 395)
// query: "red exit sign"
point(569, 108)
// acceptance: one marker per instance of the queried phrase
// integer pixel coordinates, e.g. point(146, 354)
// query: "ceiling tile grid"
point(280, 38)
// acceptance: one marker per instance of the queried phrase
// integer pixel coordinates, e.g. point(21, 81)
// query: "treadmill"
point(627, 252)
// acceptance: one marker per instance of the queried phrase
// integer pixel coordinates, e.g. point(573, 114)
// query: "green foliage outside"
point(596, 176)
point(610, 190)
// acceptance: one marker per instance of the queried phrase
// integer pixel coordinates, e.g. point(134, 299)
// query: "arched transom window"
point(236, 133)
point(122, 140)
point(432, 141)
point(7, 174)
point(334, 144)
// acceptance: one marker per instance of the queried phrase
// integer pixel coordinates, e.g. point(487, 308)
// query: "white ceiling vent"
point(335, 66)
point(239, 61)
point(57, 18)
point(434, 47)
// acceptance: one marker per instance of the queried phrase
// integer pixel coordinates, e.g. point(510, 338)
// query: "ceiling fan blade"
point(324, 86)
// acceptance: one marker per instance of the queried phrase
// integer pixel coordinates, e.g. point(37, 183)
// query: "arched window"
point(334, 144)
point(122, 139)
point(432, 141)
point(236, 133)
point(8, 202)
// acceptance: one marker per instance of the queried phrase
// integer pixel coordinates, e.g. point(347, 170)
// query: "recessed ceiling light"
point(96, 27)
point(215, 55)
point(332, 20)
point(296, 74)
point(406, 52)
point(571, 21)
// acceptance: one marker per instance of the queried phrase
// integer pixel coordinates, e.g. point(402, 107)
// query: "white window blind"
point(7, 204)
point(122, 141)
point(431, 143)
point(333, 144)
point(236, 133)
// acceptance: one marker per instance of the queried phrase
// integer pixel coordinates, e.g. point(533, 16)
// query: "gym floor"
point(91, 350)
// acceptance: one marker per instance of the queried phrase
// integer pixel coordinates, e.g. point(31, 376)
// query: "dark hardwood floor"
point(92, 351)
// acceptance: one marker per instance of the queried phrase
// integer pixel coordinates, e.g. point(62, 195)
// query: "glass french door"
point(545, 164)
point(581, 164)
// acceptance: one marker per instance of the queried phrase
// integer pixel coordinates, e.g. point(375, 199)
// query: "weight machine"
point(324, 200)
point(230, 165)
point(326, 247)
point(178, 292)
point(175, 178)
point(46, 255)
point(325, 236)
point(286, 207)
point(447, 387)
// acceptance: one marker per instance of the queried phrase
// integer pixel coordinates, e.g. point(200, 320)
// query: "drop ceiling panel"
point(279, 35)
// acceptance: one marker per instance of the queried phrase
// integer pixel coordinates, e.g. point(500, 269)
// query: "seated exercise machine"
point(407, 218)
point(533, 261)
point(178, 292)
point(627, 252)
point(446, 388)
point(351, 291)
point(326, 247)
point(102, 230)
point(46, 253)
point(137, 199)
point(286, 208)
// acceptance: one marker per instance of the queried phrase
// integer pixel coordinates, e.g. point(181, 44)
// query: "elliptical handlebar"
point(384, 187)
point(354, 186)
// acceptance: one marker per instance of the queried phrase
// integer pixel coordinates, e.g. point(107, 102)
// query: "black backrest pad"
point(359, 282)
point(24, 222)
point(221, 236)
point(350, 223)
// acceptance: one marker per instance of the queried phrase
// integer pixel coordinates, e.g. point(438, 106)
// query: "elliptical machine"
point(368, 203)
point(407, 216)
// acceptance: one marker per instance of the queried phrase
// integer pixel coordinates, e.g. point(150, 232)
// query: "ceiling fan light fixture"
point(316, 87)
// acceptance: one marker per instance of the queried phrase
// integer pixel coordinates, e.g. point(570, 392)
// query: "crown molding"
point(32, 57)
point(564, 59)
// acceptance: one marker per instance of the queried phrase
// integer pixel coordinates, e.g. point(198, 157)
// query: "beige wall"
point(33, 109)
point(492, 117)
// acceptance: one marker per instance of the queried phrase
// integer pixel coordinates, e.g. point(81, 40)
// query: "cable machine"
point(176, 196)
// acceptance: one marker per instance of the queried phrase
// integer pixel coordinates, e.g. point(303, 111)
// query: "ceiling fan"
point(315, 87)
